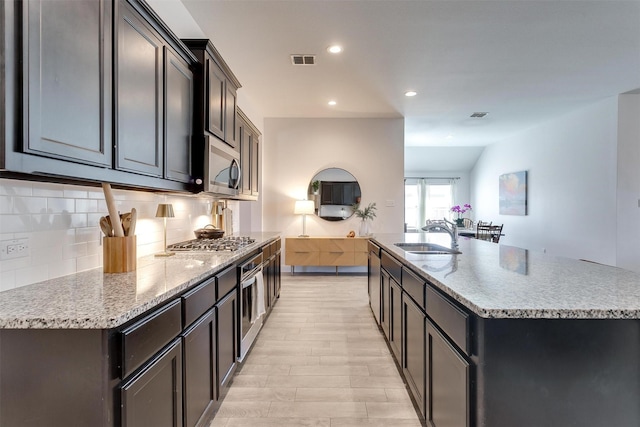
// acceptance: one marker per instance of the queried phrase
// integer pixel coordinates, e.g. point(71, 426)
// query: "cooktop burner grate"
point(212, 245)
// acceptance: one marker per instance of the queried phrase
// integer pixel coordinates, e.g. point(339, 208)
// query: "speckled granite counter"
point(498, 281)
point(94, 300)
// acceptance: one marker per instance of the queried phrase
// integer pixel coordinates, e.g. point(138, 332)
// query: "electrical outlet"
point(16, 248)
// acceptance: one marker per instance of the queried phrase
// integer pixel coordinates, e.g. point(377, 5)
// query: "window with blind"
point(426, 199)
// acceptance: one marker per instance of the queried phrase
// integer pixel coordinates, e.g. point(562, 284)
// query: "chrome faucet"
point(447, 226)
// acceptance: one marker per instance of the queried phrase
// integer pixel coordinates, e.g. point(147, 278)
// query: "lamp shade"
point(165, 210)
point(304, 207)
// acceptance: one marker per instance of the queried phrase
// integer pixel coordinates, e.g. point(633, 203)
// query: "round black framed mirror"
point(334, 192)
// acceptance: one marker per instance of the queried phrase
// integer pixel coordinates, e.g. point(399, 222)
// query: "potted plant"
point(457, 209)
point(366, 215)
point(315, 186)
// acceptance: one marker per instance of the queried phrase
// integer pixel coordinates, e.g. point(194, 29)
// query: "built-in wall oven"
point(252, 305)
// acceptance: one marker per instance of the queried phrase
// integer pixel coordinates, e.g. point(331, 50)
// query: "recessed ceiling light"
point(332, 103)
point(334, 49)
point(410, 93)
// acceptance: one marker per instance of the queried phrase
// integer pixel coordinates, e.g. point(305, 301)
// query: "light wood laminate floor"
point(320, 360)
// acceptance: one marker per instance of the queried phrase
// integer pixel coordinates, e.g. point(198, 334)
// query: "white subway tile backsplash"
point(14, 264)
point(76, 250)
point(94, 247)
point(29, 205)
point(15, 223)
point(46, 189)
point(6, 205)
point(60, 205)
point(86, 205)
point(61, 223)
point(7, 280)
point(87, 234)
point(62, 268)
point(73, 192)
point(88, 262)
point(28, 275)
point(14, 187)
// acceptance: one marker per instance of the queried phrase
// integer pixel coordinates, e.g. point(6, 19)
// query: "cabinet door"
point(216, 89)
point(255, 165)
point(139, 95)
point(395, 327)
point(200, 385)
point(414, 360)
point(385, 310)
point(178, 117)
point(227, 338)
point(278, 274)
point(153, 397)
point(68, 97)
point(374, 285)
point(274, 279)
point(246, 141)
point(231, 117)
point(448, 382)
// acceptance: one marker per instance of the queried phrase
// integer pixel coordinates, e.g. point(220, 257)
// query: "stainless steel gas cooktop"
point(211, 245)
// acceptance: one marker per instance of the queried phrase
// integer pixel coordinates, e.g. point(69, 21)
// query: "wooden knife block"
point(119, 254)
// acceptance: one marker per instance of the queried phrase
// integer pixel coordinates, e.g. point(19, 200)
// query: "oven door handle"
point(250, 279)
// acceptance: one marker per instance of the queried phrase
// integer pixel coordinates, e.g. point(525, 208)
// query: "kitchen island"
point(95, 349)
point(501, 336)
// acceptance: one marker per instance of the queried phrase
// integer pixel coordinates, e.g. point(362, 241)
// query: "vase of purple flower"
point(459, 211)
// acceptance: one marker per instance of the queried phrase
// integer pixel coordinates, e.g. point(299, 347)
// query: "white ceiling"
point(524, 62)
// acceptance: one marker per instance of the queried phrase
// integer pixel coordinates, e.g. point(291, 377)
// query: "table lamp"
point(304, 208)
point(165, 210)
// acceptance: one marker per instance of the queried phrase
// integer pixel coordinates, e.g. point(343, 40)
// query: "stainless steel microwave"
point(221, 169)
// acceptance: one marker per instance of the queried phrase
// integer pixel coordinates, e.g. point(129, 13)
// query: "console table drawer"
point(336, 258)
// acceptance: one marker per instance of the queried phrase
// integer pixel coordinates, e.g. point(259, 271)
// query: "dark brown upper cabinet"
point(95, 90)
point(140, 95)
point(215, 94)
point(67, 81)
point(249, 138)
point(178, 117)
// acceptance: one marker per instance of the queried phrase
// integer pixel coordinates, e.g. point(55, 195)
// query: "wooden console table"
point(326, 251)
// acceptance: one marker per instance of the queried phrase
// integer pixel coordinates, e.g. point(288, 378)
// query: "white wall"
point(628, 242)
point(296, 149)
point(571, 164)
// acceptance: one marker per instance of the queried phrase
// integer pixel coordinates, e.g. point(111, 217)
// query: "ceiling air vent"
point(303, 59)
point(479, 114)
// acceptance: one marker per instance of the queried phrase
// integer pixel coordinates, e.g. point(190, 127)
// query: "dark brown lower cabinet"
point(448, 383)
point(153, 396)
point(200, 384)
point(395, 326)
point(413, 359)
point(227, 338)
point(374, 283)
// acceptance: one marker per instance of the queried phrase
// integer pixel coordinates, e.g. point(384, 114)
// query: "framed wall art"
point(513, 193)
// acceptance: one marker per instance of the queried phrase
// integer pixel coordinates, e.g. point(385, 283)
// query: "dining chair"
point(483, 231)
point(467, 223)
point(495, 231)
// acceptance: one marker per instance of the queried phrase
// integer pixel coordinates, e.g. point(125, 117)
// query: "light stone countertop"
point(499, 281)
point(95, 300)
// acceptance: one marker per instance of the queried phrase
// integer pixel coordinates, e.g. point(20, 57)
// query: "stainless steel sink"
point(426, 249)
